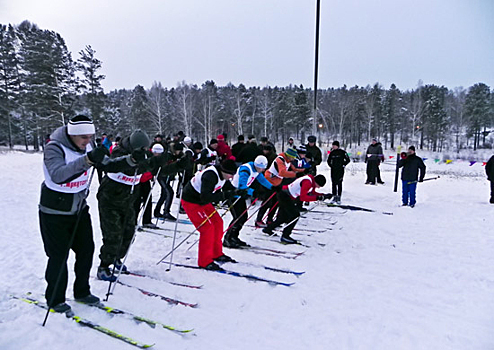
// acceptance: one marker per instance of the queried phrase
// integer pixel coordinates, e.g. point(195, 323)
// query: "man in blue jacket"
point(411, 165)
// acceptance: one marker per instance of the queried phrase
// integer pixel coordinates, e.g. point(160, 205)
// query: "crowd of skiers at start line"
point(245, 173)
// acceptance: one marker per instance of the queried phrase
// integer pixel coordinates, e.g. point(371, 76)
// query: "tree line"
point(42, 86)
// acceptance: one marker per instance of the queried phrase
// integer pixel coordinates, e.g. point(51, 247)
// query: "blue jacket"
point(244, 173)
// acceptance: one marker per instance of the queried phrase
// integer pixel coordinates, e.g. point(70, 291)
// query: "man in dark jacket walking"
point(489, 170)
point(412, 165)
point(337, 161)
point(374, 156)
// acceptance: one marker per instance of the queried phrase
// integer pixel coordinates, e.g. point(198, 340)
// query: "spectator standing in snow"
point(236, 148)
point(337, 161)
point(489, 170)
point(374, 156)
point(411, 165)
point(316, 153)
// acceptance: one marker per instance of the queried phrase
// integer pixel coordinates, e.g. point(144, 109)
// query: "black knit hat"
point(264, 139)
point(311, 139)
point(139, 139)
point(228, 166)
point(336, 143)
point(240, 138)
point(412, 148)
point(213, 141)
point(320, 180)
point(197, 145)
point(178, 147)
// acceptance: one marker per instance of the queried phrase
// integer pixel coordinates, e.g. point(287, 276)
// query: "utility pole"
point(316, 66)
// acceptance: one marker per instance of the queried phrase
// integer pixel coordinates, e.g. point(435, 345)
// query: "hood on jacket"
point(61, 136)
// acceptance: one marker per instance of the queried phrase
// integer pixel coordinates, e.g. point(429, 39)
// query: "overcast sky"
point(271, 42)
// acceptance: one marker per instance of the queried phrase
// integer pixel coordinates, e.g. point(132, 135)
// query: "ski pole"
point(226, 211)
point(143, 208)
point(110, 289)
point(430, 178)
point(71, 241)
point(179, 188)
point(186, 238)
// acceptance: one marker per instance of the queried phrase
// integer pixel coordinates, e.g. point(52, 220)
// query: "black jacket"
point(374, 152)
point(236, 148)
point(316, 153)
point(489, 169)
point(248, 153)
point(338, 159)
point(209, 181)
point(411, 167)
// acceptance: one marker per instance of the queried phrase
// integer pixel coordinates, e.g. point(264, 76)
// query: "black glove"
point(241, 193)
point(210, 159)
point(306, 171)
point(300, 174)
point(328, 196)
point(98, 154)
point(139, 155)
point(321, 197)
point(277, 189)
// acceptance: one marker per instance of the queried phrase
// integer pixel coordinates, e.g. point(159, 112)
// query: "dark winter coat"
point(374, 152)
point(316, 154)
point(236, 148)
point(248, 153)
point(271, 156)
point(489, 169)
point(337, 160)
point(411, 167)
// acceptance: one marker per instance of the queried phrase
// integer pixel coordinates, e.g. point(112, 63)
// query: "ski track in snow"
point(422, 278)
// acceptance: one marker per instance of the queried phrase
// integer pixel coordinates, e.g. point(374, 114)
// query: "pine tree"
point(478, 110)
point(89, 65)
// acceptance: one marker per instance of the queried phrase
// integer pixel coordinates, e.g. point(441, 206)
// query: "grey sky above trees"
point(271, 42)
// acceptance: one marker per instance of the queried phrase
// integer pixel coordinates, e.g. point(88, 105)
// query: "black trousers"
point(492, 191)
point(56, 232)
point(166, 196)
point(144, 192)
point(237, 210)
point(337, 181)
point(288, 213)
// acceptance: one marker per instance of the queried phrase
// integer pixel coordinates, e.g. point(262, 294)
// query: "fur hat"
point(311, 139)
point(320, 180)
point(139, 139)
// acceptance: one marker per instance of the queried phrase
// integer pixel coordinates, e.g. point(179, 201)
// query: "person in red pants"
point(211, 185)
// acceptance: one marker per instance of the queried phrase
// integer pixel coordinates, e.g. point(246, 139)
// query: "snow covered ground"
point(422, 278)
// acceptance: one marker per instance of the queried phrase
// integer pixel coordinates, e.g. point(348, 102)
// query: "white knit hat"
point(157, 148)
point(80, 125)
point(261, 162)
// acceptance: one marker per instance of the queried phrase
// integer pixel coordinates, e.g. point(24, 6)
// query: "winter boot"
point(158, 215)
point(288, 240)
point(118, 264)
point(492, 200)
point(62, 308)
point(260, 224)
point(230, 243)
point(240, 242)
point(150, 226)
point(169, 217)
point(88, 300)
point(213, 267)
point(224, 259)
point(268, 231)
point(104, 274)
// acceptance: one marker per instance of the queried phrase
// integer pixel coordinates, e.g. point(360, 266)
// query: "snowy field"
point(422, 278)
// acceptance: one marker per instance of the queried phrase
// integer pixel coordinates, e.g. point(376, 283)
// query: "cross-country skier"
point(207, 186)
point(116, 197)
point(67, 158)
point(247, 175)
point(303, 189)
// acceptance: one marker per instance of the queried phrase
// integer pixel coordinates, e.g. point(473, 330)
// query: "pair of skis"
point(92, 325)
